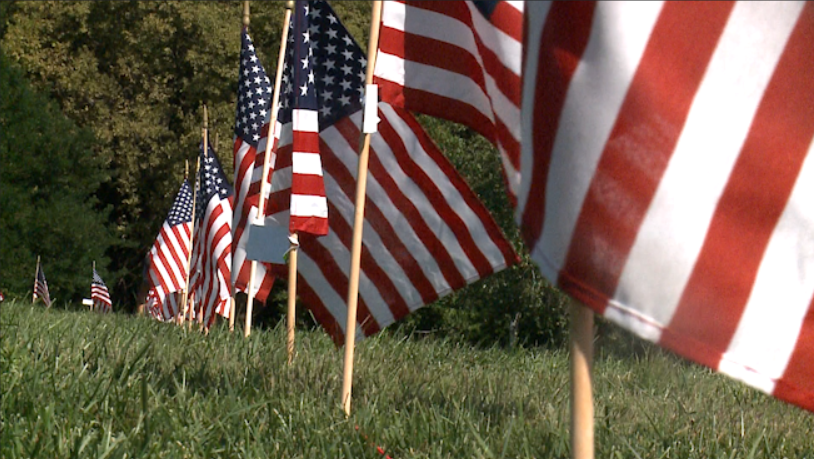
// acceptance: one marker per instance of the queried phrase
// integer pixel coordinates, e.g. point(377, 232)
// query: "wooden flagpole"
point(261, 204)
point(291, 314)
point(36, 280)
point(358, 218)
point(582, 408)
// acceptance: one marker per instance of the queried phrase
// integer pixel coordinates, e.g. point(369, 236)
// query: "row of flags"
point(657, 156)
point(99, 293)
point(426, 232)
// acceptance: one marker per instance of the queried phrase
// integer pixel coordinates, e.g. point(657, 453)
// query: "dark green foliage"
point(48, 177)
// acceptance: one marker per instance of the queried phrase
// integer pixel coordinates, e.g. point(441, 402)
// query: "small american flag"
point(213, 239)
point(41, 286)
point(99, 294)
point(167, 261)
point(251, 132)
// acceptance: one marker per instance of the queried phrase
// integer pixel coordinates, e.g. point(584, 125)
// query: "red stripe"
point(508, 20)
point(433, 196)
point(563, 41)
point(162, 257)
point(438, 106)
point(307, 184)
point(388, 235)
point(747, 213)
point(624, 183)
point(305, 142)
point(406, 207)
point(474, 203)
point(308, 225)
point(178, 237)
point(375, 218)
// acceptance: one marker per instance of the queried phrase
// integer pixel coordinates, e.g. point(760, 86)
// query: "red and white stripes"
point(666, 176)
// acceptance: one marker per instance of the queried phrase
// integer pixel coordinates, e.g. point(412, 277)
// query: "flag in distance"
point(460, 61)
point(99, 294)
point(213, 239)
point(167, 261)
point(668, 176)
point(426, 233)
point(251, 132)
point(41, 286)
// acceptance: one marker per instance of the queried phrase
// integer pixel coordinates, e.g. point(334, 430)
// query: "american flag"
point(213, 239)
point(41, 286)
point(668, 176)
point(251, 129)
point(426, 233)
point(167, 261)
point(99, 294)
point(460, 61)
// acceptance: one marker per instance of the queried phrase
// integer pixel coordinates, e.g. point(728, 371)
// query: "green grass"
point(77, 384)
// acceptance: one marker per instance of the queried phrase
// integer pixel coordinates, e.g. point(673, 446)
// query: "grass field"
point(77, 384)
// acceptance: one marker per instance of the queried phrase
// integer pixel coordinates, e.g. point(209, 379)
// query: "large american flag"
point(41, 286)
point(167, 261)
point(460, 61)
point(213, 239)
point(251, 129)
point(99, 294)
point(668, 176)
point(426, 233)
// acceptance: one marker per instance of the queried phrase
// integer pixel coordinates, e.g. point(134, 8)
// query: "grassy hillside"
point(76, 384)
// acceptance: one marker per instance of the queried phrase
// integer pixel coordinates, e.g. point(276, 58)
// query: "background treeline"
point(102, 102)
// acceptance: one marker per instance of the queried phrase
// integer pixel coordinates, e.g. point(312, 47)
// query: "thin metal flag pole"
point(36, 273)
point(185, 296)
point(261, 204)
point(206, 154)
point(359, 214)
point(582, 408)
point(189, 307)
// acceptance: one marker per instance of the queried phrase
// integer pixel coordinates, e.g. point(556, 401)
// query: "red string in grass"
point(378, 448)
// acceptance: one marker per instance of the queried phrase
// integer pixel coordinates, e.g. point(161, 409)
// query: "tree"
point(48, 179)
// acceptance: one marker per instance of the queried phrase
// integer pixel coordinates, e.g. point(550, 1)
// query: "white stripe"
point(333, 301)
point(457, 204)
point(305, 120)
point(594, 97)
point(506, 48)
point(781, 293)
point(303, 205)
point(425, 78)
point(675, 226)
point(306, 163)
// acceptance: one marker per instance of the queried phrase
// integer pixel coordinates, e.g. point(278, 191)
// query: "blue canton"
point(213, 181)
point(254, 94)
point(181, 210)
point(337, 65)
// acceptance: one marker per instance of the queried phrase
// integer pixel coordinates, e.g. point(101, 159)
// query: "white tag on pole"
point(371, 116)
point(267, 243)
point(87, 302)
